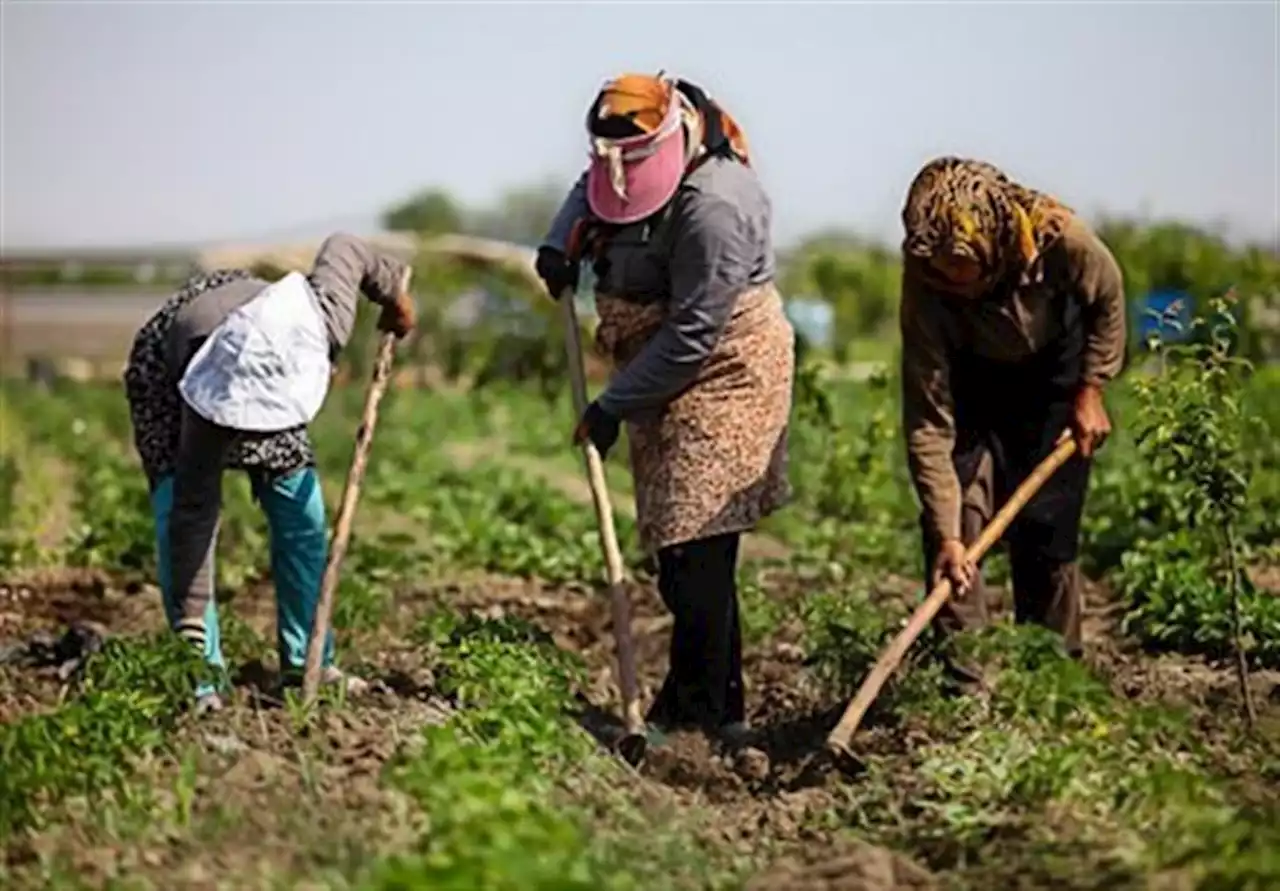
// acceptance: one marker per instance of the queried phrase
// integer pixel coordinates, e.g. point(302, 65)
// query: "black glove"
point(556, 270)
point(598, 426)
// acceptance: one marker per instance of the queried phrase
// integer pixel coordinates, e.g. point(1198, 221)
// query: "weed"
point(128, 699)
point(370, 571)
point(845, 632)
point(1053, 761)
point(489, 779)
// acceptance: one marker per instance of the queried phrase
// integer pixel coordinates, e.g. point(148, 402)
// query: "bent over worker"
point(1013, 322)
point(703, 357)
point(227, 374)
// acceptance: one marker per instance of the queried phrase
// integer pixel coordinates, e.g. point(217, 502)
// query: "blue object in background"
point(1166, 313)
point(812, 318)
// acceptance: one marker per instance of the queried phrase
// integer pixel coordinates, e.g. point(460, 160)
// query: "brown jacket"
point(1004, 331)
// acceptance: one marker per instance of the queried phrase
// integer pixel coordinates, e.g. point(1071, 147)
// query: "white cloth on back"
point(266, 367)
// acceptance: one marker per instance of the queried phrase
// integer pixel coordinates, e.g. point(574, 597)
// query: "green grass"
point(123, 708)
point(1056, 780)
point(494, 780)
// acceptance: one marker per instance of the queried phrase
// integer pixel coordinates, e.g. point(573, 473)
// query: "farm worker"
point(1013, 322)
point(227, 374)
point(703, 356)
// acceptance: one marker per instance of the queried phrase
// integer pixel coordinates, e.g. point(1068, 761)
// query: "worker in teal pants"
point(215, 382)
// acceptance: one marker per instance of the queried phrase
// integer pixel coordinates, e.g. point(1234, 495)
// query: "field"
point(472, 595)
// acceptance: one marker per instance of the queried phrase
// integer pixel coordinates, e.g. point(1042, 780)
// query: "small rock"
point(789, 652)
point(225, 744)
point(752, 764)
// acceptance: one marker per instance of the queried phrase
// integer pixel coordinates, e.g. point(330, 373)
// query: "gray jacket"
point(344, 267)
point(713, 242)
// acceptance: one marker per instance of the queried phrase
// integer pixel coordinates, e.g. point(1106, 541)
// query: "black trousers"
point(703, 687)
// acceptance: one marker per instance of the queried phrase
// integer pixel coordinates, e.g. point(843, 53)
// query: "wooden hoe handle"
point(619, 604)
point(346, 514)
point(838, 739)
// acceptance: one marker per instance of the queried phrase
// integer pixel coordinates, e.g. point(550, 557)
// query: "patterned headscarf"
point(965, 208)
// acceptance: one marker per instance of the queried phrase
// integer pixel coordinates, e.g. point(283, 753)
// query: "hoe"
point(346, 514)
point(838, 741)
point(631, 746)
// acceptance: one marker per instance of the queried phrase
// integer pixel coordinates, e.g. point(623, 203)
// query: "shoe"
point(735, 735)
point(353, 685)
point(208, 704)
point(330, 676)
point(962, 678)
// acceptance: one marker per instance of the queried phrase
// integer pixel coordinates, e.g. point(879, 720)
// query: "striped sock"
point(192, 631)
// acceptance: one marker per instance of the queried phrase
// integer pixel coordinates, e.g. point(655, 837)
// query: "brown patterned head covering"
point(968, 226)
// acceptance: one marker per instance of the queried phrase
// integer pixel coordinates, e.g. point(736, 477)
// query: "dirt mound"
point(855, 867)
point(57, 597)
point(688, 761)
point(40, 607)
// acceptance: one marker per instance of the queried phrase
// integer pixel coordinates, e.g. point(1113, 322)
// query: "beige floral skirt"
point(714, 459)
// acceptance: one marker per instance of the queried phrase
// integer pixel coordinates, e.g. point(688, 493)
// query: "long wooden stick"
point(346, 514)
point(838, 739)
point(620, 606)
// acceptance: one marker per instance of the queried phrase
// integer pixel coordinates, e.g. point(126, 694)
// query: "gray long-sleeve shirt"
point(714, 243)
point(173, 440)
point(344, 267)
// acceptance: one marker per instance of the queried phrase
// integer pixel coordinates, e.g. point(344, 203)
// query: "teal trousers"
point(294, 506)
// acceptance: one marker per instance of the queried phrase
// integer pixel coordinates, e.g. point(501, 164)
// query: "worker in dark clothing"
point(1013, 322)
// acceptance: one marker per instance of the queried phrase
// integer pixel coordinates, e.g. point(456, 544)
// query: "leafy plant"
point(1074, 786)
point(1192, 430)
point(128, 699)
point(490, 778)
point(852, 502)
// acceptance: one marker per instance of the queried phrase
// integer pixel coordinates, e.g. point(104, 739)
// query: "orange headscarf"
point(645, 98)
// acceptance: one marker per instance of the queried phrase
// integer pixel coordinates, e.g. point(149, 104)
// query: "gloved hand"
point(401, 314)
point(598, 426)
point(556, 270)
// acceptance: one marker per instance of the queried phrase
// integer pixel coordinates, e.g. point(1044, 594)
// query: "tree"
point(860, 281)
point(521, 214)
point(430, 212)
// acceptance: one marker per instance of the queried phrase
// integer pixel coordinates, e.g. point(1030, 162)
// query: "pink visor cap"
point(633, 178)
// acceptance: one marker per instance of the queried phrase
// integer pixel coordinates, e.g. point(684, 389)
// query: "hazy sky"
point(128, 123)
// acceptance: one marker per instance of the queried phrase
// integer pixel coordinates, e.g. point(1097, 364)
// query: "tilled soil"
point(38, 608)
point(772, 794)
point(771, 797)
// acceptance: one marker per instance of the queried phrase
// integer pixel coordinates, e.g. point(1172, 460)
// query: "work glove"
point(598, 426)
point(556, 270)
point(400, 315)
point(950, 564)
point(1089, 421)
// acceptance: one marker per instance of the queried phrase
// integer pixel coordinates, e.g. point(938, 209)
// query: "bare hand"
point(399, 317)
point(1089, 421)
point(952, 565)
